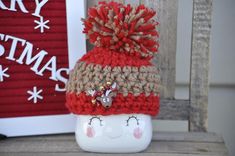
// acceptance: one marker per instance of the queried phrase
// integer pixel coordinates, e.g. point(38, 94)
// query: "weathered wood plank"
point(157, 136)
point(167, 17)
point(200, 64)
point(173, 110)
point(51, 146)
point(188, 137)
point(102, 154)
point(132, 2)
point(91, 3)
point(62, 144)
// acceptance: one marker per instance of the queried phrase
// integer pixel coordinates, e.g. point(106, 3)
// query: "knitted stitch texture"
point(125, 41)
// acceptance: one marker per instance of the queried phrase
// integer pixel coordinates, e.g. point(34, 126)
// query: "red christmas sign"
point(33, 57)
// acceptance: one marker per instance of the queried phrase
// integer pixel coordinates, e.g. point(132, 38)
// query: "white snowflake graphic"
point(35, 94)
point(3, 73)
point(42, 24)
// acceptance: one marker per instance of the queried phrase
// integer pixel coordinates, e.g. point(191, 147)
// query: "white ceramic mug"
point(123, 133)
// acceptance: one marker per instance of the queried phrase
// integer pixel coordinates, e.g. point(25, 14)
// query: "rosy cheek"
point(137, 133)
point(90, 132)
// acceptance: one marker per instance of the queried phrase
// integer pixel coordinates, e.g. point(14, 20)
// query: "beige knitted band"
point(134, 80)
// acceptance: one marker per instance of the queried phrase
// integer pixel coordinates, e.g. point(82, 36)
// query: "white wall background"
point(222, 68)
point(222, 79)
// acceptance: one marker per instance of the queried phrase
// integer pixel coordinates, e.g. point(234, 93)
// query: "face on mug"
point(114, 133)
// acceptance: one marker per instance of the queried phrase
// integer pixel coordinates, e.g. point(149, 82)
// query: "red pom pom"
point(122, 28)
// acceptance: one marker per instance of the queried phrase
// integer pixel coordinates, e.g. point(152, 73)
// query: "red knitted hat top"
point(116, 76)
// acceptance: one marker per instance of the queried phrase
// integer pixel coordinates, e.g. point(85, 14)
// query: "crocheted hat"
point(116, 76)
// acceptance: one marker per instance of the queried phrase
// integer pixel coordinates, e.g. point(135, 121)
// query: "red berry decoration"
point(122, 28)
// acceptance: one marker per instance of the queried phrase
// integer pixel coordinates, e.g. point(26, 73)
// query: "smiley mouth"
point(114, 137)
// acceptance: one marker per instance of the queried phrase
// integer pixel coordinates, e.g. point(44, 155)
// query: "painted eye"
point(104, 100)
point(132, 118)
point(95, 118)
point(107, 99)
